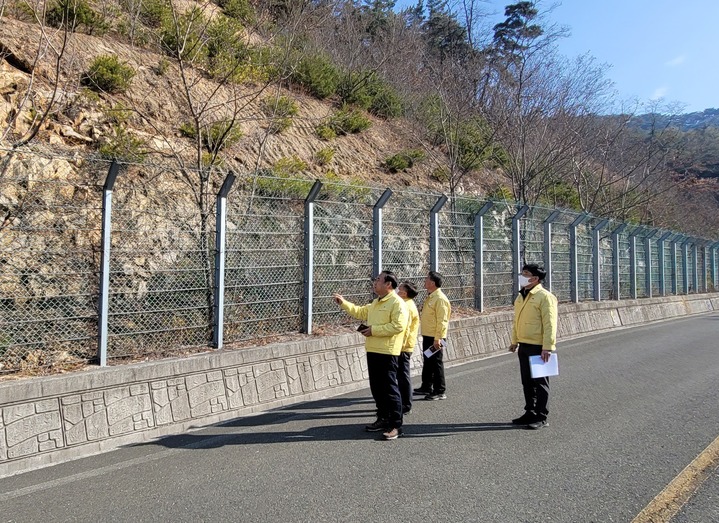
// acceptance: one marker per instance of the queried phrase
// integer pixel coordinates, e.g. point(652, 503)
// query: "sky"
point(656, 49)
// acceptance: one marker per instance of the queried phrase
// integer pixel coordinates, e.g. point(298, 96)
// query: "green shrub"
point(107, 73)
point(276, 183)
point(501, 192)
point(368, 91)
point(318, 75)
point(441, 174)
point(280, 110)
point(154, 12)
point(403, 160)
point(288, 167)
point(325, 132)
point(238, 9)
point(215, 136)
point(348, 121)
point(184, 38)
point(118, 114)
point(324, 155)
point(386, 103)
point(124, 147)
point(225, 50)
point(163, 64)
point(70, 14)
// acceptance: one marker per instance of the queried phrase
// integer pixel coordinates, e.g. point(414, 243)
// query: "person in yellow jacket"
point(385, 320)
point(534, 333)
point(434, 322)
point(407, 291)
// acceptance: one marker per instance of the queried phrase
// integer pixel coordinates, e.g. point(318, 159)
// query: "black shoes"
point(377, 426)
point(435, 397)
point(422, 391)
point(539, 424)
point(525, 419)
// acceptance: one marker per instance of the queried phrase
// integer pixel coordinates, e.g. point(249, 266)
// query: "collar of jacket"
point(385, 296)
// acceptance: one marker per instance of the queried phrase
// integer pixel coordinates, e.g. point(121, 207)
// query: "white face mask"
point(523, 281)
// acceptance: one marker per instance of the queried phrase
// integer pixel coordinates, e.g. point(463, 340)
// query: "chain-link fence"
point(161, 261)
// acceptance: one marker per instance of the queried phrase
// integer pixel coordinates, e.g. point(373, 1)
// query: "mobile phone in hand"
point(362, 327)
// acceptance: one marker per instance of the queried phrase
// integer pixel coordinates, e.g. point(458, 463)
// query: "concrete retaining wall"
point(44, 421)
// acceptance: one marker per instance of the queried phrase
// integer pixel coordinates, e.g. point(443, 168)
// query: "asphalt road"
point(630, 410)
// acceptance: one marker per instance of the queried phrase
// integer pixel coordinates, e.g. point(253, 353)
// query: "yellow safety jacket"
point(410, 333)
point(435, 315)
point(535, 318)
point(388, 318)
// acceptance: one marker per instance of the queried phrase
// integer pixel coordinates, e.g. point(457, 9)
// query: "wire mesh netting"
point(641, 266)
point(264, 257)
point(561, 270)
point(49, 258)
point(622, 259)
point(497, 252)
point(161, 265)
point(342, 249)
point(654, 265)
point(456, 243)
point(585, 262)
point(163, 284)
point(405, 240)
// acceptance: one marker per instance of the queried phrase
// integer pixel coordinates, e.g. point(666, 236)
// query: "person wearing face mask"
point(534, 333)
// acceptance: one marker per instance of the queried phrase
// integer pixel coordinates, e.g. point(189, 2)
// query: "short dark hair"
point(435, 277)
point(390, 277)
point(535, 270)
point(410, 288)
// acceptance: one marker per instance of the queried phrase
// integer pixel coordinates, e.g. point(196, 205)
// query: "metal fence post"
point(695, 264)
point(479, 255)
point(573, 262)
point(220, 253)
point(104, 298)
point(308, 275)
point(685, 264)
point(377, 232)
point(675, 276)
point(548, 247)
point(705, 266)
point(434, 233)
point(661, 262)
point(648, 262)
point(597, 259)
point(633, 263)
point(615, 260)
point(714, 249)
point(517, 246)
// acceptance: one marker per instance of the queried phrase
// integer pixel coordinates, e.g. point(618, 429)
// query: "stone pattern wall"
point(47, 420)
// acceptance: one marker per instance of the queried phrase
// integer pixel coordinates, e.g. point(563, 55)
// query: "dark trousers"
point(382, 370)
point(404, 380)
point(536, 390)
point(433, 368)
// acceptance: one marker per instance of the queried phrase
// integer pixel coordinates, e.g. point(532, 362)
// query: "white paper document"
point(429, 352)
point(539, 369)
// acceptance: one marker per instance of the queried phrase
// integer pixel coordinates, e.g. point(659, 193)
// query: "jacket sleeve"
point(356, 311)
point(443, 311)
point(514, 337)
point(397, 322)
point(549, 322)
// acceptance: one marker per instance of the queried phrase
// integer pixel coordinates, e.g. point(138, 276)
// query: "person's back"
point(407, 291)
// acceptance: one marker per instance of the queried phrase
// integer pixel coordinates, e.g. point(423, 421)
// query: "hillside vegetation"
point(347, 90)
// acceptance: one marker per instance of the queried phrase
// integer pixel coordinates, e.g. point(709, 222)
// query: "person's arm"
point(356, 311)
point(548, 309)
point(441, 323)
point(514, 342)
